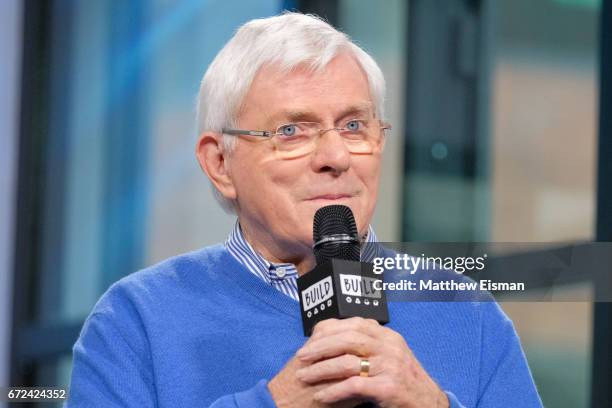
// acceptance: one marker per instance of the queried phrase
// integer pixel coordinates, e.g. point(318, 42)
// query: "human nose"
point(331, 153)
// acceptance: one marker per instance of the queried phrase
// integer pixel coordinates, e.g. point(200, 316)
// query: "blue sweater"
point(199, 330)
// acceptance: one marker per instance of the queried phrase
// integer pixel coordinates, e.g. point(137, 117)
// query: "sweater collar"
point(281, 275)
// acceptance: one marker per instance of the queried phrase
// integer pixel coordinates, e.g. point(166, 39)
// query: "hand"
point(288, 391)
point(395, 379)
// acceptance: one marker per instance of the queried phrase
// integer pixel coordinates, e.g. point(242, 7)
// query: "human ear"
point(213, 161)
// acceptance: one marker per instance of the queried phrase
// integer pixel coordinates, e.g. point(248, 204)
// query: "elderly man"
point(290, 120)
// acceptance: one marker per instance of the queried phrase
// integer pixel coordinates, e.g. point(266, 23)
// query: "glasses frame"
point(266, 133)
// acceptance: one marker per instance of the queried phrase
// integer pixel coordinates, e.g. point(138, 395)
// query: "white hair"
point(287, 41)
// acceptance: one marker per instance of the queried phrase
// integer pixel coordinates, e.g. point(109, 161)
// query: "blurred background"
point(498, 135)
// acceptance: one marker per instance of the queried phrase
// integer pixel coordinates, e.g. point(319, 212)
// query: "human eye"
point(289, 130)
point(355, 125)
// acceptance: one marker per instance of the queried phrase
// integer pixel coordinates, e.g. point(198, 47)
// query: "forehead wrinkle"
point(311, 116)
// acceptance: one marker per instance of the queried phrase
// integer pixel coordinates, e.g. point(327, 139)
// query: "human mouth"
point(330, 197)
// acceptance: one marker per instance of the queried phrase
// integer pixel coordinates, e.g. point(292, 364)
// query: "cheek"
point(369, 173)
point(370, 177)
point(276, 182)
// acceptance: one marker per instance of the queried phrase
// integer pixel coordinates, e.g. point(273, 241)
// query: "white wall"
point(10, 54)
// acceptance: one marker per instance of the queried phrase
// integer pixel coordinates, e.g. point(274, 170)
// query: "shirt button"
point(281, 272)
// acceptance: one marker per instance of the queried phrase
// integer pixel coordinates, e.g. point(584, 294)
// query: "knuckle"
point(372, 323)
point(323, 325)
point(354, 323)
point(388, 388)
point(358, 343)
point(318, 327)
point(393, 335)
point(363, 325)
point(349, 365)
point(397, 354)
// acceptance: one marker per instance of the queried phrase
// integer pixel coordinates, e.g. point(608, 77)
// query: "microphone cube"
point(339, 289)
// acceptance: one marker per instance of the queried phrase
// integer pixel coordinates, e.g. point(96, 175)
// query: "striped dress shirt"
point(282, 276)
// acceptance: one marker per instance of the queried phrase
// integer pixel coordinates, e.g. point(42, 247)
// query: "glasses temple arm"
point(240, 132)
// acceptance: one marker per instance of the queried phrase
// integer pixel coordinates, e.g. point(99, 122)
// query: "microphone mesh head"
point(335, 220)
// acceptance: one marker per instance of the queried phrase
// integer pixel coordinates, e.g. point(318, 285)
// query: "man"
point(290, 120)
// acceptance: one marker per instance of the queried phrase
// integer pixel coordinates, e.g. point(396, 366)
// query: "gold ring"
point(364, 368)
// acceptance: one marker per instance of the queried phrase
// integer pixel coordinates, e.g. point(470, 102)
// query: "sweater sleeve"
point(112, 364)
point(109, 366)
point(111, 360)
point(505, 379)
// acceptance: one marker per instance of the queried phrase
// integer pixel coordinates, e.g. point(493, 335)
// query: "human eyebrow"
point(356, 110)
point(292, 116)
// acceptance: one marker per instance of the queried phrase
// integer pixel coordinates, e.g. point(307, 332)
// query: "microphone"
point(339, 286)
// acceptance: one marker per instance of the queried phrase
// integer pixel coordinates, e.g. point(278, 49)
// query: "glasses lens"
point(360, 147)
point(366, 145)
point(289, 149)
point(304, 141)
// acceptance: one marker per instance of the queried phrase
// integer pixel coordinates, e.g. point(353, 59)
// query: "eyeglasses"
point(292, 140)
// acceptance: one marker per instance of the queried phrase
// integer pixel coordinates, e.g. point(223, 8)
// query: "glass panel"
point(543, 169)
point(380, 28)
point(544, 120)
point(52, 373)
point(556, 338)
point(183, 212)
point(123, 187)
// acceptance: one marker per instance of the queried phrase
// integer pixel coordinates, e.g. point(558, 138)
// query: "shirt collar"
point(238, 246)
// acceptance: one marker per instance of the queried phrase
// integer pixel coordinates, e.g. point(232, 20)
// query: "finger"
point(328, 327)
point(386, 335)
point(353, 388)
point(348, 342)
point(335, 368)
